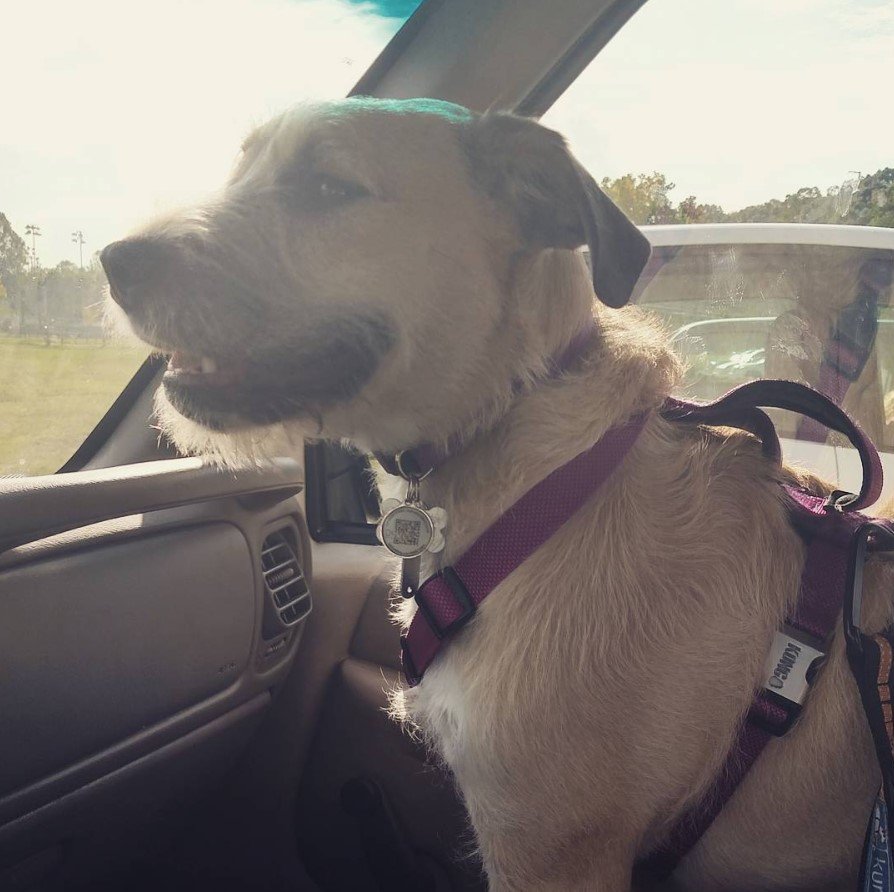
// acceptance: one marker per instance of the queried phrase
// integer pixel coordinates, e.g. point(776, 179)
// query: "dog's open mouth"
point(203, 371)
point(328, 364)
point(218, 393)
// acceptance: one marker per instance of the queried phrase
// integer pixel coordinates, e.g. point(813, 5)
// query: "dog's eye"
point(319, 191)
point(322, 191)
point(335, 190)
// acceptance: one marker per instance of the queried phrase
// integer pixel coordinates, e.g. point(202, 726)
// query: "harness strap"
point(829, 528)
point(741, 407)
point(809, 628)
point(449, 599)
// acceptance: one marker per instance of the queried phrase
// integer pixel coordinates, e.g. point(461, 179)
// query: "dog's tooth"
point(209, 366)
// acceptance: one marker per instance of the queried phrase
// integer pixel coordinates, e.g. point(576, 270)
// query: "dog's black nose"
point(133, 267)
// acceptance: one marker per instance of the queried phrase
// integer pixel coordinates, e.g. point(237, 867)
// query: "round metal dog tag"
point(406, 531)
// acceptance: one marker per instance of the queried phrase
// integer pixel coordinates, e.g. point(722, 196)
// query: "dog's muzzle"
point(250, 366)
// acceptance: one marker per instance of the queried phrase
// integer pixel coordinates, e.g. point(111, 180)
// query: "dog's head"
point(373, 270)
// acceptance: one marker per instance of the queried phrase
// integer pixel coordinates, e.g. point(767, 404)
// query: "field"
point(52, 396)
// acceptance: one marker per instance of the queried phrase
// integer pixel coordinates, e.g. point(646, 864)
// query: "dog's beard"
point(232, 449)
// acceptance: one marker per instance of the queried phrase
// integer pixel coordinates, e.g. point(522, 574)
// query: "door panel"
point(96, 647)
point(140, 642)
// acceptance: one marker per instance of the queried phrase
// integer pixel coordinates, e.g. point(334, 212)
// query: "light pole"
point(35, 233)
point(79, 240)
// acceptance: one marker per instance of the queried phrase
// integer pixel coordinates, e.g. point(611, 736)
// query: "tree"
point(643, 197)
point(690, 211)
point(13, 255)
point(873, 200)
point(861, 200)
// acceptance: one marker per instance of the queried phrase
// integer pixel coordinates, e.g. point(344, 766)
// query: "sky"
point(114, 110)
point(121, 109)
point(739, 101)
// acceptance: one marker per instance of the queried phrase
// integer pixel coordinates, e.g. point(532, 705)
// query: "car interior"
point(194, 662)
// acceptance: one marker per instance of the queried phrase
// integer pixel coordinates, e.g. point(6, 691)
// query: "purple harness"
point(829, 526)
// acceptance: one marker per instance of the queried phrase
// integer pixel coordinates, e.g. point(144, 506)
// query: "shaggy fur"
point(597, 691)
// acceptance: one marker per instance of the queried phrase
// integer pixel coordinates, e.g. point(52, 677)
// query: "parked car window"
point(755, 152)
point(816, 313)
point(104, 131)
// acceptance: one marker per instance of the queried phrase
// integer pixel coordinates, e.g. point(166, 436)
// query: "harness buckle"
point(840, 500)
point(461, 596)
point(792, 665)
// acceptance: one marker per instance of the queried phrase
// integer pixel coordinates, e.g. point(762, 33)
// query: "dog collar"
point(419, 461)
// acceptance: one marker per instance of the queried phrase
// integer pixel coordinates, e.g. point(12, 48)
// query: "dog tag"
point(406, 530)
point(409, 529)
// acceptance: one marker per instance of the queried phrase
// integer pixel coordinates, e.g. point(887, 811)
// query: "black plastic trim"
point(124, 402)
point(577, 58)
point(321, 527)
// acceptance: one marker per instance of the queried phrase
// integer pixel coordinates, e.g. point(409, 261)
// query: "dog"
point(396, 272)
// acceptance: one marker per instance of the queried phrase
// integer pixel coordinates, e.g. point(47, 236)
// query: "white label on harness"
point(785, 672)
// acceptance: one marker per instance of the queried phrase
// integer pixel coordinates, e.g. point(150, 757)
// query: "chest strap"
point(830, 529)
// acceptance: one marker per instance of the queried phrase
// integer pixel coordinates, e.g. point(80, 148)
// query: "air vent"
point(283, 579)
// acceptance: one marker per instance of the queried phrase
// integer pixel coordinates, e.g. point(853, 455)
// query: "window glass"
point(817, 313)
point(121, 112)
point(742, 111)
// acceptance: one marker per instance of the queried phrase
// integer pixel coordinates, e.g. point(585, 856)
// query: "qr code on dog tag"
point(406, 532)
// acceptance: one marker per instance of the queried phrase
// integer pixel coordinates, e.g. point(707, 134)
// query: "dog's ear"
point(528, 169)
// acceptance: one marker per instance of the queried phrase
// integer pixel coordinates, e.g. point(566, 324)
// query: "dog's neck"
point(629, 368)
point(423, 459)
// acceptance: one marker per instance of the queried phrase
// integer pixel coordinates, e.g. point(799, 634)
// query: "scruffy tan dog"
point(384, 272)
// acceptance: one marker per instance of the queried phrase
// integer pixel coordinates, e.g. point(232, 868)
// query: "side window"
point(753, 151)
point(59, 368)
point(128, 112)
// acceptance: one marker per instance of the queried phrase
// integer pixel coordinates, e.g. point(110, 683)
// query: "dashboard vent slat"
point(283, 579)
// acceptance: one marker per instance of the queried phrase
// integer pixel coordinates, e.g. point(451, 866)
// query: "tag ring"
point(407, 475)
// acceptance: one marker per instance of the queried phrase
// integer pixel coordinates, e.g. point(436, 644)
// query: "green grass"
point(52, 396)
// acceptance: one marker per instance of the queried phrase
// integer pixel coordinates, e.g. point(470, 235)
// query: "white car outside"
point(762, 300)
